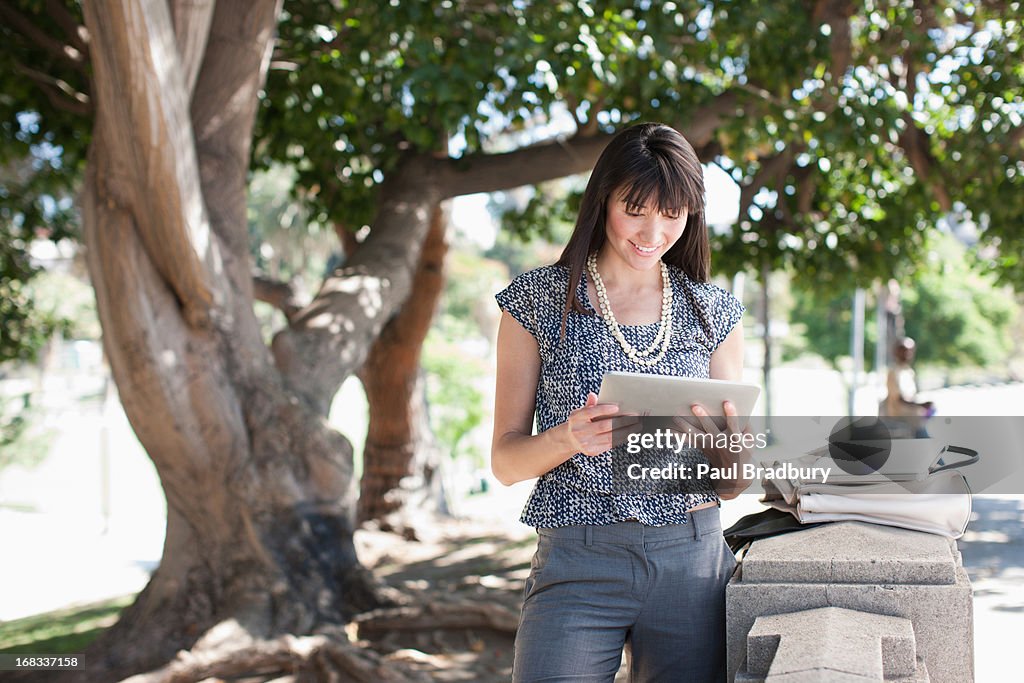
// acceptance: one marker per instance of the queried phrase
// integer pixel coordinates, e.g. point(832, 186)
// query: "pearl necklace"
point(638, 356)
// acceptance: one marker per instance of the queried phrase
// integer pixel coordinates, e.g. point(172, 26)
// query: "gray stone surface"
point(830, 676)
point(852, 552)
point(860, 643)
point(941, 613)
point(820, 676)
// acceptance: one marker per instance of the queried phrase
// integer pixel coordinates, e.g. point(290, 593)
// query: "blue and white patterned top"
point(580, 490)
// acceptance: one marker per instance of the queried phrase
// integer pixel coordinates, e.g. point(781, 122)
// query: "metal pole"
point(766, 326)
point(882, 325)
point(856, 345)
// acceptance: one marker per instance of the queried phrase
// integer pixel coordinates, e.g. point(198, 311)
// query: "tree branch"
point(330, 338)
point(572, 103)
point(837, 14)
point(316, 657)
point(806, 186)
point(771, 169)
point(588, 127)
point(192, 20)
point(709, 151)
point(761, 93)
point(223, 109)
point(482, 172)
point(60, 93)
point(703, 123)
point(74, 31)
point(1016, 138)
point(347, 238)
point(280, 295)
point(460, 615)
point(915, 142)
point(25, 27)
point(141, 94)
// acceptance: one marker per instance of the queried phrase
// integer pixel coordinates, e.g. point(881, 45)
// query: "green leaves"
point(959, 317)
point(890, 116)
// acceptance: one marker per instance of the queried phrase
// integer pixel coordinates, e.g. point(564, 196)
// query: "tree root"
point(454, 615)
point(227, 651)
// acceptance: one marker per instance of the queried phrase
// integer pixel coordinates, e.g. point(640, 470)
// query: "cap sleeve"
point(728, 311)
point(519, 299)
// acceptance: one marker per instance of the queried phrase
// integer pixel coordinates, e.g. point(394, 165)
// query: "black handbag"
point(770, 522)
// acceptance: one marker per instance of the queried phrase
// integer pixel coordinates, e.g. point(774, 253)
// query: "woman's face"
point(640, 235)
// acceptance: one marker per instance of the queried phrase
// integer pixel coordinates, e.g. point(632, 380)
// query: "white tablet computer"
point(665, 395)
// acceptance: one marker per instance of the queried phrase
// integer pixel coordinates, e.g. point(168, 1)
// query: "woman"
point(617, 567)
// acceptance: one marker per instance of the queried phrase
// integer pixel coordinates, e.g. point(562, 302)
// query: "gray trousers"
point(657, 591)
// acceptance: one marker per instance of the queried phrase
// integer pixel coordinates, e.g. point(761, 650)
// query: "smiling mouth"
point(644, 250)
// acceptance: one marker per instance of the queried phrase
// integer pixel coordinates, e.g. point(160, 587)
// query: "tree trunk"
point(259, 490)
point(401, 466)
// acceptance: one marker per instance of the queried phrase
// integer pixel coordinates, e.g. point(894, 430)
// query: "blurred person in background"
point(901, 401)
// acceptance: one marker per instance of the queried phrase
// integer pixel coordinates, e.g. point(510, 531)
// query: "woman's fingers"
point(684, 424)
point(594, 419)
point(607, 431)
point(706, 422)
point(599, 410)
point(591, 425)
point(595, 444)
point(732, 420)
point(623, 428)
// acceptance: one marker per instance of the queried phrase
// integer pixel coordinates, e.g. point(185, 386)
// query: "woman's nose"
point(651, 231)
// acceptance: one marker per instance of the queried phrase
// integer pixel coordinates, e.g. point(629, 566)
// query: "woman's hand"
point(596, 428)
point(725, 444)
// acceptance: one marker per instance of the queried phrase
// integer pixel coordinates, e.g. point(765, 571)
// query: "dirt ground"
point(482, 563)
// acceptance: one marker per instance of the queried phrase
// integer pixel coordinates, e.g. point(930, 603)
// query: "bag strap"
point(972, 457)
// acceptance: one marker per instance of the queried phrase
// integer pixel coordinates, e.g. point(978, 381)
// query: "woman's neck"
point(618, 276)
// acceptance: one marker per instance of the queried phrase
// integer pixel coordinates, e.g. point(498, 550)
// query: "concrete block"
point(828, 676)
point(860, 643)
point(744, 602)
point(899, 653)
point(942, 616)
point(818, 676)
point(852, 552)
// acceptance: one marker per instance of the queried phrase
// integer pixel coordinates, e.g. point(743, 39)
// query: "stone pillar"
point(851, 601)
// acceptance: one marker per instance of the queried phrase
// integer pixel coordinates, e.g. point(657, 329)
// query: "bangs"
point(656, 181)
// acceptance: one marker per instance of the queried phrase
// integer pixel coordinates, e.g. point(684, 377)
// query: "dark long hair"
point(645, 161)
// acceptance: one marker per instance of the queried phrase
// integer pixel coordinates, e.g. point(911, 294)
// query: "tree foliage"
point(875, 132)
point(958, 316)
point(821, 324)
point(850, 126)
point(25, 322)
point(43, 137)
